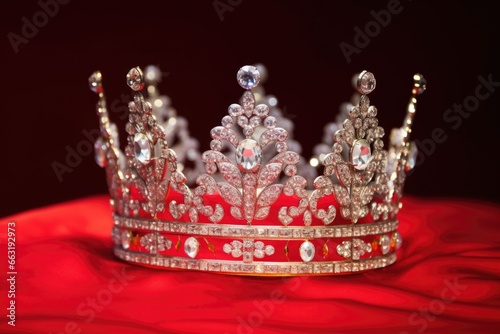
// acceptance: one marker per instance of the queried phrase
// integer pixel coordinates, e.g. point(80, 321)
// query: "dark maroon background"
point(47, 103)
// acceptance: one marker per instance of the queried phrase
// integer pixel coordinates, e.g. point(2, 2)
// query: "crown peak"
point(366, 83)
point(135, 79)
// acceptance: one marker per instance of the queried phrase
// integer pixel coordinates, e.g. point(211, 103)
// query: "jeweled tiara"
point(250, 211)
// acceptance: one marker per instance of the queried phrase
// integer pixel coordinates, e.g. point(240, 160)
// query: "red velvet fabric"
point(446, 280)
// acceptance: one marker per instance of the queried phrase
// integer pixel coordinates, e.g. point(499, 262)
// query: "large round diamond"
point(385, 244)
point(307, 251)
point(366, 82)
point(135, 79)
point(248, 77)
point(191, 247)
point(143, 149)
point(361, 154)
point(248, 155)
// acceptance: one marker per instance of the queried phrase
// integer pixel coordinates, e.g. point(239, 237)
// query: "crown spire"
point(107, 152)
point(419, 87)
point(401, 158)
point(175, 127)
point(401, 149)
point(110, 132)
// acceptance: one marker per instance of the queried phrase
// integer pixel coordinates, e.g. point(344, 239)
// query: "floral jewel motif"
point(355, 248)
point(250, 187)
point(175, 127)
point(155, 242)
point(360, 132)
point(249, 249)
point(148, 155)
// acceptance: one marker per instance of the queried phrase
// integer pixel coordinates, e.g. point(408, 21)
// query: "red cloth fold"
point(68, 281)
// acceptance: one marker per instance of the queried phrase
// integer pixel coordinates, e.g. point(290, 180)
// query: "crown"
point(250, 205)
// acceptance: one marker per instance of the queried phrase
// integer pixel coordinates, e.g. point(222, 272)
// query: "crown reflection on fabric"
point(251, 212)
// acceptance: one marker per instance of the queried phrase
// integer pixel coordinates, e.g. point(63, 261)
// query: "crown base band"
point(208, 247)
point(325, 268)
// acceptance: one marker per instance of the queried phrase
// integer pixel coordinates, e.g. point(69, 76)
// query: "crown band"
point(133, 233)
point(268, 232)
point(257, 268)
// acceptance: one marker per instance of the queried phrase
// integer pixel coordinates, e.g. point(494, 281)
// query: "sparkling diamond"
point(361, 154)
point(366, 82)
point(191, 247)
point(269, 250)
point(344, 249)
point(248, 155)
point(281, 147)
point(307, 251)
point(385, 244)
point(397, 135)
point(153, 74)
point(248, 77)
point(412, 157)
point(100, 152)
point(116, 233)
point(163, 243)
point(126, 239)
point(227, 121)
point(113, 132)
point(270, 122)
point(95, 82)
point(419, 84)
point(135, 79)
point(216, 145)
point(398, 240)
point(143, 149)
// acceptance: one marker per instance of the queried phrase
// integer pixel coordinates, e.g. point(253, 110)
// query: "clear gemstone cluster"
point(248, 249)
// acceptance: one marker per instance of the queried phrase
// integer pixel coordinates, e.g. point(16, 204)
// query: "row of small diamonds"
point(279, 268)
point(271, 232)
